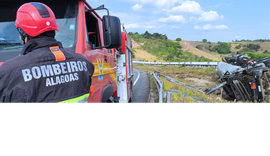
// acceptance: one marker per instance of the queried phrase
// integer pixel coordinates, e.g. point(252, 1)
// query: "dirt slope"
point(141, 54)
point(190, 46)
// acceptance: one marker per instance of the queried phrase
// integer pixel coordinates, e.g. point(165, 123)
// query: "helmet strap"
point(23, 35)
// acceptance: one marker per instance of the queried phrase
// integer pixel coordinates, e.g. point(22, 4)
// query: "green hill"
point(158, 45)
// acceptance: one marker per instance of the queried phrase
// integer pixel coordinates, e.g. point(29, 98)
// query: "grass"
point(180, 71)
point(167, 85)
point(154, 89)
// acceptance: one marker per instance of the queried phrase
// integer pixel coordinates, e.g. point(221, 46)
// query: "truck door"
point(103, 59)
point(96, 56)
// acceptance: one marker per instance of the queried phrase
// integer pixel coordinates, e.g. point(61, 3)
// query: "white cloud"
point(221, 27)
point(175, 27)
point(210, 27)
point(130, 26)
point(223, 4)
point(149, 26)
point(173, 18)
point(188, 6)
point(137, 7)
point(218, 5)
point(197, 27)
point(207, 16)
point(159, 3)
point(238, 36)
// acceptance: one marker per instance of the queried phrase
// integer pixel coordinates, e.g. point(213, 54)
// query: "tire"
point(109, 102)
point(131, 94)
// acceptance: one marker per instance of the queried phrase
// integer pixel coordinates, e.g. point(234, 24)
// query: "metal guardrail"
point(187, 64)
point(159, 85)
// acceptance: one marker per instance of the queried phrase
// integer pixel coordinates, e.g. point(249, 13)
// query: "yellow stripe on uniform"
point(80, 99)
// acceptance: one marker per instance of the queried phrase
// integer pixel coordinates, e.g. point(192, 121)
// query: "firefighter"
point(45, 71)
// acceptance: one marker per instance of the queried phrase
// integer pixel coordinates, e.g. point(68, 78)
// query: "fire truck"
point(103, 41)
point(124, 68)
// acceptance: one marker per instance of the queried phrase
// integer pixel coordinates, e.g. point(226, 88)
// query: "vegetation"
point(154, 89)
point(254, 46)
point(256, 56)
point(199, 47)
point(178, 39)
point(167, 85)
point(258, 40)
point(184, 94)
point(158, 45)
point(238, 47)
point(204, 40)
point(133, 53)
point(136, 36)
point(222, 48)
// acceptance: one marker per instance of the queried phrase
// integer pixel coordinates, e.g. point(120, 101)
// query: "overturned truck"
point(244, 79)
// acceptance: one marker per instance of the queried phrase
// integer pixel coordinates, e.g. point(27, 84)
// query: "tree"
point(255, 56)
point(222, 48)
point(171, 49)
point(178, 39)
point(204, 40)
point(254, 46)
point(147, 35)
point(169, 57)
point(238, 47)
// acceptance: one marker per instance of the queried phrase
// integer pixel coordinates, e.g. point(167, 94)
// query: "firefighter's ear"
point(26, 39)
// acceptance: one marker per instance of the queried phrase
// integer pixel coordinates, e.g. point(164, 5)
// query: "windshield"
point(11, 44)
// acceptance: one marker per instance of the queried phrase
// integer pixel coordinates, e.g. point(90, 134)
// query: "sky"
point(196, 20)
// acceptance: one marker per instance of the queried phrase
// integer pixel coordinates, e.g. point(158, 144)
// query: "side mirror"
point(111, 31)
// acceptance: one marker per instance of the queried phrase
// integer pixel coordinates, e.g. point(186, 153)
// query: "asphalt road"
point(141, 89)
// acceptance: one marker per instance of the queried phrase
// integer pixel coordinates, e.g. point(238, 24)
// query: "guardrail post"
point(159, 86)
point(158, 74)
point(162, 90)
point(164, 97)
point(169, 97)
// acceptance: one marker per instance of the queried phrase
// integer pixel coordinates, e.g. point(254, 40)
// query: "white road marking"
point(137, 78)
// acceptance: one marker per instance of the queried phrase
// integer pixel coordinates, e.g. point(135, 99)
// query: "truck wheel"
point(109, 102)
point(130, 100)
point(131, 94)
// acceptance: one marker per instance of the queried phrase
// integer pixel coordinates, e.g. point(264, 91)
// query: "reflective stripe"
point(80, 99)
point(59, 56)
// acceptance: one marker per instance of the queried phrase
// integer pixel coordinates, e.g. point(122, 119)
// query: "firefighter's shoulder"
point(12, 64)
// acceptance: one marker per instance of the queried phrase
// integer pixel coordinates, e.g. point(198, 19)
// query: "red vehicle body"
point(124, 68)
point(81, 31)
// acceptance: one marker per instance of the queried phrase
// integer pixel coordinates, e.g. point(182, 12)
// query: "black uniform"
point(37, 75)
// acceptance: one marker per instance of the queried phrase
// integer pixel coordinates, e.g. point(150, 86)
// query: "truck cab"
point(81, 30)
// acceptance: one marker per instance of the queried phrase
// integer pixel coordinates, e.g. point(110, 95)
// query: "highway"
point(141, 89)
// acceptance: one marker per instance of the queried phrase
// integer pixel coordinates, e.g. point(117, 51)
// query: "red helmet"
point(35, 18)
